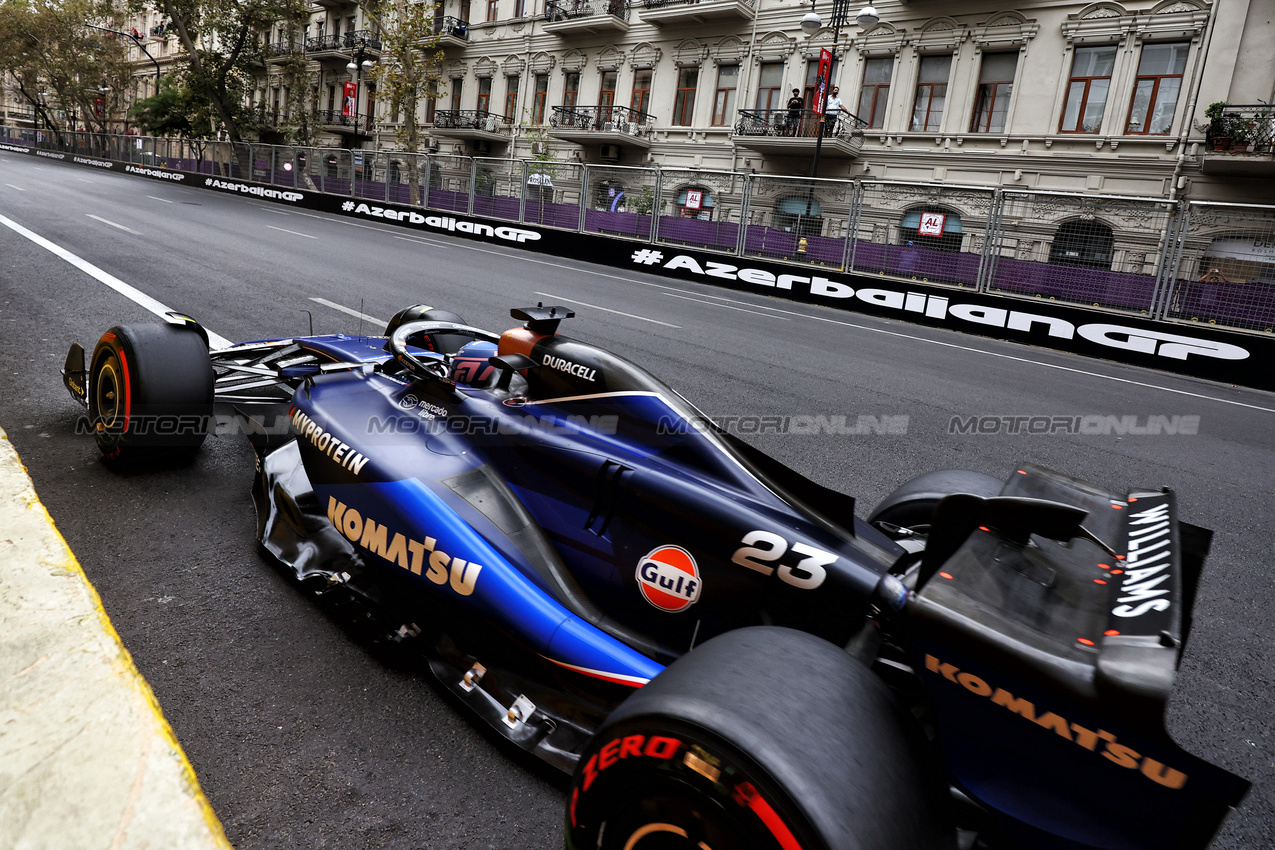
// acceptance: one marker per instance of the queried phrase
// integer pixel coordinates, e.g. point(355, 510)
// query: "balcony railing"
point(802, 123)
point(667, 4)
point(453, 27)
point(279, 48)
point(334, 118)
point(349, 41)
point(602, 119)
point(1244, 129)
point(567, 10)
point(471, 119)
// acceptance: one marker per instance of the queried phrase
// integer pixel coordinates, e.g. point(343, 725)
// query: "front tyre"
point(150, 391)
point(763, 738)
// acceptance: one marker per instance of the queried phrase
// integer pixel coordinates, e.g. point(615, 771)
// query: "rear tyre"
point(761, 739)
point(911, 506)
point(150, 391)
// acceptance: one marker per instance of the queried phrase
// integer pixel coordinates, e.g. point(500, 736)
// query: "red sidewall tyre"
point(761, 738)
point(150, 391)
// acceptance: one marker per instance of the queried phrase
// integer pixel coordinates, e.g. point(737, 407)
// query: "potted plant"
point(1227, 131)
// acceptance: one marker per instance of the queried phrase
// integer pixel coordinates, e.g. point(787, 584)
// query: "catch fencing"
point(1190, 262)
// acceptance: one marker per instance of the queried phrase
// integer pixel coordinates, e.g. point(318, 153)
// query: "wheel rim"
point(108, 394)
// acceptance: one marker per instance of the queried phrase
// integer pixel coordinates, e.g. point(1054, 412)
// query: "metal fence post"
point(850, 233)
point(429, 166)
point(856, 215)
point(473, 183)
point(1172, 262)
point(745, 210)
point(657, 205)
point(584, 195)
point(522, 193)
point(994, 234)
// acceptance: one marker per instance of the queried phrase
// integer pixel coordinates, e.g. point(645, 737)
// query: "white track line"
point(364, 316)
point(113, 224)
point(727, 306)
point(162, 200)
point(131, 293)
point(293, 232)
point(608, 310)
point(11, 186)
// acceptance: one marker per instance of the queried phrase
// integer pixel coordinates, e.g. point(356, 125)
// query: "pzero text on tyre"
point(761, 738)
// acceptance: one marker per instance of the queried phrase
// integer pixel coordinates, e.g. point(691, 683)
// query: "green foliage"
point(645, 201)
point(172, 111)
point(409, 70)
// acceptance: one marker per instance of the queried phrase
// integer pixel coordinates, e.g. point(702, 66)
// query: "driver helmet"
point(469, 364)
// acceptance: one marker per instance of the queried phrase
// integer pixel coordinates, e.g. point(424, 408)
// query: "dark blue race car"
point(554, 527)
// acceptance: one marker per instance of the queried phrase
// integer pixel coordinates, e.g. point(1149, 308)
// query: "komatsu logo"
point(1147, 567)
point(1098, 741)
point(570, 368)
point(419, 557)
point(341, 453)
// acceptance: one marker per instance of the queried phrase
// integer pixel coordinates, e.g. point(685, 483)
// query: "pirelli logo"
point(1098, 741)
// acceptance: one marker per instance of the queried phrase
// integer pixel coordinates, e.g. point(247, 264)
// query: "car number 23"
point(762, 551)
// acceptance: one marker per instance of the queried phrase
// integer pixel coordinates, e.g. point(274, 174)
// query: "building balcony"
point(1241, 143)
point(451, 32)
point(334, 121)
point(681, 12)
point(480, 128)
point(325, 47)
point(332, 4)
point(612, 125)
point(279, 51)
point(586, 16)
point(779, 132)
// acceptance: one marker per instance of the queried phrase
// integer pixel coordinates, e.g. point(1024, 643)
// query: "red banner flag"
point(349, 102)
point(821, 80)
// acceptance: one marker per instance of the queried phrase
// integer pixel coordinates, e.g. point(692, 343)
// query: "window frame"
point(997, 86)
point(684, 97)
point(724, 97)
point(1072, 79)
point(930, 95)
point(539, 97)
point(483, 103)
point(880, 94)
point(570, 93)
point(1155, 91)
point(493, 10)
point(775, 98)
point(513, 85)
point(642, 104)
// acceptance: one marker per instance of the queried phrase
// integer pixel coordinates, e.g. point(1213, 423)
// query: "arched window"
point(800, 214)
point(1082, 242)
point(695, 202)
point(931, 227)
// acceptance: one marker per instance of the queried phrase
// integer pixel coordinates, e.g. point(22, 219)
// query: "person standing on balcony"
point(831, 114)
point(795, 105)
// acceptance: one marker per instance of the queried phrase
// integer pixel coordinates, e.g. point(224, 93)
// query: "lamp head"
point(811, 23)
point(352, 66)
point(868, 16)
point(367, 63)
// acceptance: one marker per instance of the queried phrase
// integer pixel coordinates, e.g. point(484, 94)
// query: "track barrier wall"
point(1187, 287)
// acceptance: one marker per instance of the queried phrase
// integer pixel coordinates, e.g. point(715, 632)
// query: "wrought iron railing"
point(1244, 129)
point(603, 119)
point(349, 41)
point(566, 10)
point(454, 27)
point(335, 118)
point(279, 48)
point(471, 119)
point(800, 123)
point(667, 4)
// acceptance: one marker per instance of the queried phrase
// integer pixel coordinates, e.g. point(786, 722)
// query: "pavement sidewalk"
point(87, 759)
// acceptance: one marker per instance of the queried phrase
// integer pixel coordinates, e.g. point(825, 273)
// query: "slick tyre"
point(912, 504)
point(761, 739)
point(150, 391)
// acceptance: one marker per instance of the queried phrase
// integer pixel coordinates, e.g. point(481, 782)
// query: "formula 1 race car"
point(978, 660)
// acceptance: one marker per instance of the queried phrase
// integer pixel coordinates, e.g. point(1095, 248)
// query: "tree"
point(171, 111)
point(220, 39)
point(60, 66)
point(409, 70)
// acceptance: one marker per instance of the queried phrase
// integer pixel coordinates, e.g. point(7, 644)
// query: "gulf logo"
point(669, 579)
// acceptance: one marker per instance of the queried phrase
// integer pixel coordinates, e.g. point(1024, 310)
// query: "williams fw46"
point(719, 649)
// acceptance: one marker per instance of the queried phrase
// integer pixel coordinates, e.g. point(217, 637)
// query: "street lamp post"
point(356, 66)
point(811, 23)
point(140, 47)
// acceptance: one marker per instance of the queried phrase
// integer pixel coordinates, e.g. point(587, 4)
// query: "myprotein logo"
point(258, 191)
point(669, 579)
point(442, 222)
point(1143, 341)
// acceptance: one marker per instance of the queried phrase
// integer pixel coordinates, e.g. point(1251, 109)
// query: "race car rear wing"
point(1048, 636)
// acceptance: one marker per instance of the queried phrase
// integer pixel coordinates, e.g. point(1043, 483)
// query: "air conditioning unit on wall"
point(481, 146)
point(610, 153)
point(538, 148)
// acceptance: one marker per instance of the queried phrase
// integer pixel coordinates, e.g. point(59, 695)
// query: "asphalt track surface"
point(305, 736)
